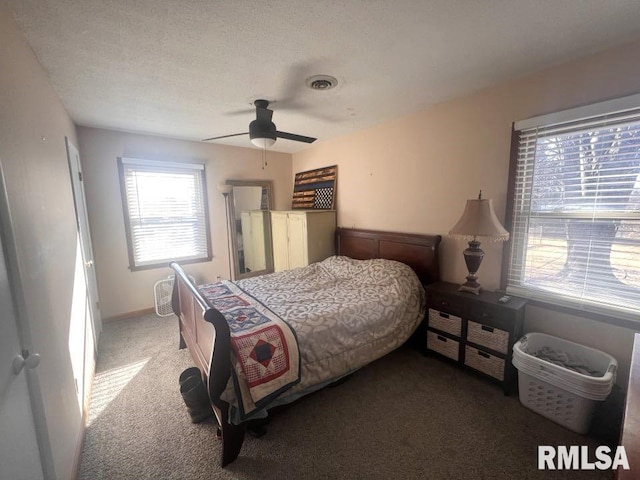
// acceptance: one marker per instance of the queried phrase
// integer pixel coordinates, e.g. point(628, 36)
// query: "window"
point(575, 225)
point(165, 210)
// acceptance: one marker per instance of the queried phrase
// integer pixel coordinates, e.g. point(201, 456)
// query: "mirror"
point(250, 227)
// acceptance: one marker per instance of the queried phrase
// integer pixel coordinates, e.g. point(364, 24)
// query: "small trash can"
point(562, 380)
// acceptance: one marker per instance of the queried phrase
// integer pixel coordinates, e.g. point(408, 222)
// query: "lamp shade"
point(225, 189)
point(479, 220)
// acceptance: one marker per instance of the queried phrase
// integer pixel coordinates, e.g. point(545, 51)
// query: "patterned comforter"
point(345, 314)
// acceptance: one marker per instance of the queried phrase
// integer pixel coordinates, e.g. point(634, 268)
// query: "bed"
point(300, 329)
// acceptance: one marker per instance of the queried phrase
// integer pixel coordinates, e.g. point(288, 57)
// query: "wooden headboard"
point(420, 252)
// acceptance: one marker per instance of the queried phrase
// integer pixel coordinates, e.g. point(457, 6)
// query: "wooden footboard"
point(205, 332)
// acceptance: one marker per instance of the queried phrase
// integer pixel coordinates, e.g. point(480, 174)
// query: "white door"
point(85, 236)
point(19, 452)
point(85, 319)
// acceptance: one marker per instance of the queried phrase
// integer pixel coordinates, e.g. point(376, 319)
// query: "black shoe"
point(189, 372)
point(196, 398)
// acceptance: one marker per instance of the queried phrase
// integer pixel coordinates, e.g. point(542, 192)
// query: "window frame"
point(604, 314)
point(127, 219)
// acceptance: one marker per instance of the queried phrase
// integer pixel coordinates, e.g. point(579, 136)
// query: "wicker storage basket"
point(489, 337)
point(484, 362)
point(445, 322)
point(443, 345)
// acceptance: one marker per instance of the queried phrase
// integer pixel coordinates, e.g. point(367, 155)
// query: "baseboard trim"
point(136, 313)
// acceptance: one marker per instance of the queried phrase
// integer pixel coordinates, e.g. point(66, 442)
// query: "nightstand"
point(475, 331)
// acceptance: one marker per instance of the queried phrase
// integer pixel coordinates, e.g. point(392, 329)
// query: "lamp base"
point(473, 258)
point(471, 286)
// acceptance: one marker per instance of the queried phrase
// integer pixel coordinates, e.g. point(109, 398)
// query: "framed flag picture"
point(315, 189)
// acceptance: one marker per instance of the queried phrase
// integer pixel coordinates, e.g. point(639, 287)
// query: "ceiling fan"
point(262, 131)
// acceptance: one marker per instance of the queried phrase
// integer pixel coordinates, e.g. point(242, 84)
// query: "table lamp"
point(478, 221)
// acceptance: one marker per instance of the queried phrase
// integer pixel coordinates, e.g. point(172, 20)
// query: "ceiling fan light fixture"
point(321, 82)
point(262, 132)
point(263, 142)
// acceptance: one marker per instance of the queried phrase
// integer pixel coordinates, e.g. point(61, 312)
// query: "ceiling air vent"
point(321, 82)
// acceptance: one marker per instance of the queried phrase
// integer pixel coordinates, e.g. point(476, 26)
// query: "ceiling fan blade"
point(295, 138)
point(225, 136)
point(244, 111)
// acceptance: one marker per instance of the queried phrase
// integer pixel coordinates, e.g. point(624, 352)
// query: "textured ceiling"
point(186, 68)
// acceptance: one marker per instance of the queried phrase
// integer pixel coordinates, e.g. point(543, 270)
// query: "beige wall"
point(122, 291)
point(415, 173)
point(33, 126)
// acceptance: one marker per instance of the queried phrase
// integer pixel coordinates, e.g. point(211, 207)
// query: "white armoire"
point(301, 237)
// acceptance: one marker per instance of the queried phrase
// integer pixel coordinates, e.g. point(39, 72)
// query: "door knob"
point(25, 359)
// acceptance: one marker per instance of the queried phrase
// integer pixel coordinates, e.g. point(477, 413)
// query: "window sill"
point(165, 264)
point(578, 312)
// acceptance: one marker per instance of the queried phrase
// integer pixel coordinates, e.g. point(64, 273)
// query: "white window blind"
point(576, 214)
point(165, 212)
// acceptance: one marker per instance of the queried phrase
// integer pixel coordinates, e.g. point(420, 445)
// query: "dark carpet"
point(405, 416)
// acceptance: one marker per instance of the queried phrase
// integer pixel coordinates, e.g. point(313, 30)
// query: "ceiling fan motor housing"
point(262, 129)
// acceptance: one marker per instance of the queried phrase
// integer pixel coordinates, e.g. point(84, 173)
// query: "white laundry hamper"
point(563, 395)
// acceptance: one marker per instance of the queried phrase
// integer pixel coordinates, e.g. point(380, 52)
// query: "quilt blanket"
point(265, 349)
